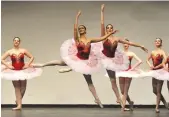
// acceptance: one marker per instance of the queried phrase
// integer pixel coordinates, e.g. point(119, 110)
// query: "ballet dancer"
point(18, 71)
point(126, 81)
point(80, 56)
point(112, 58)
point(158, 57)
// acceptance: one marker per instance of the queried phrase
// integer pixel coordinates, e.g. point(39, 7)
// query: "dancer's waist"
point(108, 53)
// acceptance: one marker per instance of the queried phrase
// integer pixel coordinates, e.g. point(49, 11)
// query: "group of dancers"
point(88, 55)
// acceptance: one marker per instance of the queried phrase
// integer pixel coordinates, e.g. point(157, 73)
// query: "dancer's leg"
point(92, 89)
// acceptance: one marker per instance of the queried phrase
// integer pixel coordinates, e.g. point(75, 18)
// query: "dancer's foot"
point(99, 103)
point(131, 105)
point(16, 102)
point(65, 70)
point(125, 109)
point(157, 110)
point(119, 101)
point(167, 105)
point(17, 108)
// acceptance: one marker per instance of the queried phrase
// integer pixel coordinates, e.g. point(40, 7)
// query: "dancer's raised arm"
point(76, 38)
point(102, 21)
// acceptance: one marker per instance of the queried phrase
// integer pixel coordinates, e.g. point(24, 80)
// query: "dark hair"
point(160, 40)
point(108, 25)
point(83, 26)
point(15, 38)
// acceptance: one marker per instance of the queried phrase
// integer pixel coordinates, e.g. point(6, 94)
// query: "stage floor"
point(82, 112)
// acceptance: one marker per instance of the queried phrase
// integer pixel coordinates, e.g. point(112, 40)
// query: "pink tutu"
point(97, 47)
point(25, 74)
point(159, 74)
point(118, 63)
point(68, 52)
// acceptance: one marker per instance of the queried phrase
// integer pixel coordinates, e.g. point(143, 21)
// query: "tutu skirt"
point(24, 74)
point(118, 63)
point(136, 73)
point(68, 52)
point(159, 74)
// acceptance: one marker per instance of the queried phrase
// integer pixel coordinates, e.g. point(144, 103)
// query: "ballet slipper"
point(99, 103)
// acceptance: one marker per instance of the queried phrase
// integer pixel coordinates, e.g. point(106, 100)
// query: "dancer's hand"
point(102, 7)
point(79, 13)
point(115, 31)
point(112, 32)
point(152, 67)
point(131, 69)
point(145, 49)
point(10, 67)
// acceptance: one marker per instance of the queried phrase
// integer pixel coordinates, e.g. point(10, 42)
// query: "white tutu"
point(68, 52)
point(118, 63)
point(136, 73)
point(159, 74)
point(25, 74)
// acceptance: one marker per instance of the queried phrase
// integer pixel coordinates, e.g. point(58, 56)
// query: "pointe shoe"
point(17, 108)
point(119, 101)
point(125, 109)
point(157, 110)
point(16, 102)
point(131, 105)
point(167, 105)
point(99, 103)
point(64, 70)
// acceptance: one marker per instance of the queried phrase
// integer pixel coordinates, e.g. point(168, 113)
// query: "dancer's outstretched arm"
point(123, 41)
point(95, 40)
